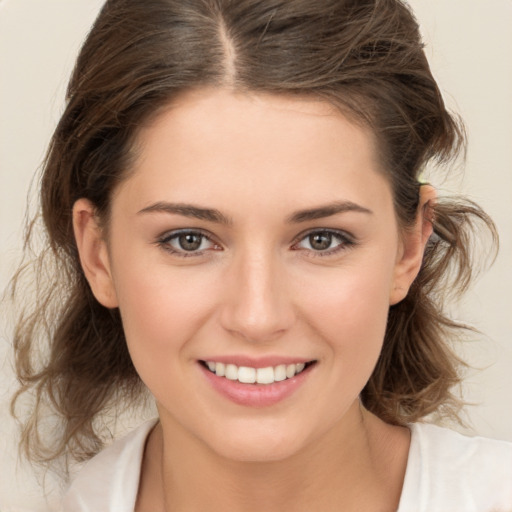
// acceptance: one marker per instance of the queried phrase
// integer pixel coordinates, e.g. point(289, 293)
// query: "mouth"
point(250, 375)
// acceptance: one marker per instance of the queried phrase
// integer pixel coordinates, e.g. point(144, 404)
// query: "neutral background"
point(469, 43)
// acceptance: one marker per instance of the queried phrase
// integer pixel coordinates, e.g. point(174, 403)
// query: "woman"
point(233, 198)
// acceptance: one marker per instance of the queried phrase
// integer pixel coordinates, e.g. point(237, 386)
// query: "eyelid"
point(347, 241)
point(164, 239)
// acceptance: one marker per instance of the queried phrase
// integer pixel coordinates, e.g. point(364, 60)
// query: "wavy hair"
point(363, 56)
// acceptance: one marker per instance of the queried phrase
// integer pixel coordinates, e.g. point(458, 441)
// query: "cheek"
point(350, 312)
point(161, 309)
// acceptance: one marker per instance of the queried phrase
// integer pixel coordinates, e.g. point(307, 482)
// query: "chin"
point(257, 453)
point(261, 445)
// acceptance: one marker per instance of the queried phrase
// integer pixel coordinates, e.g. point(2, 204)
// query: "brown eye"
point(187, 243)
point(190, 241)
point(320, 241)
point(324, 242)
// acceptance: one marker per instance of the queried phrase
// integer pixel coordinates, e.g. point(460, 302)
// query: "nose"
point(257, 305)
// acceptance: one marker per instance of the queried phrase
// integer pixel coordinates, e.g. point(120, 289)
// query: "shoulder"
point(109, 481)
point(450, 471)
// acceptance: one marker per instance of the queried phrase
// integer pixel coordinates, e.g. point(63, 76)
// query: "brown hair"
point(363, 56)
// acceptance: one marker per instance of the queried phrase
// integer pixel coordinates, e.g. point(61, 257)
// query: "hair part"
point(363, 56)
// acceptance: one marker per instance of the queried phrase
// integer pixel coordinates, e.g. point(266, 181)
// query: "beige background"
point(469, 46)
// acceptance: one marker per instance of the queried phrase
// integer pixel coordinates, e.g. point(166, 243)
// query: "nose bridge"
point(258, 307)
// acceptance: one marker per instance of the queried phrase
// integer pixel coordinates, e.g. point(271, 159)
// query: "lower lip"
point(256, 395)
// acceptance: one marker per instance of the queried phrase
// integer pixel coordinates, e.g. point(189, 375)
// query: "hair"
point(365, 57)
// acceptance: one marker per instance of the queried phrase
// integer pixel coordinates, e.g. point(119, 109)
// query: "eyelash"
point(346, 241)
point(164, 242)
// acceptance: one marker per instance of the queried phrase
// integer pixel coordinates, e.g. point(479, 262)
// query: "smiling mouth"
point(250, 375)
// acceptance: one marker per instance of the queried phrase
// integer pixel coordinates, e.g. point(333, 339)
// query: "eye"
point(186, 242)
point(324, 242)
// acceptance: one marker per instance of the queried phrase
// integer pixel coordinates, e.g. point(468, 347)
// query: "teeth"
point(248, 375)
point(265, 375)
point(290, 371)
point(220, 369)
point(231, 372)
point(280, 373)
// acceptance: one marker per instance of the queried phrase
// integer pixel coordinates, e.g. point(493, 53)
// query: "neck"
point(357, 465)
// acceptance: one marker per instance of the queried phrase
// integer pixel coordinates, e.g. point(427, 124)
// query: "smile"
point(250, 375)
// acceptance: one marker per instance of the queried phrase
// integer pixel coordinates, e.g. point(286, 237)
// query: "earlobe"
point(414, 241)
point(92, 249)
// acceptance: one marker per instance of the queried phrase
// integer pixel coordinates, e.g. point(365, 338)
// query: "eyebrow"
point(188, 210)
point(214, 215)
point(327, 210)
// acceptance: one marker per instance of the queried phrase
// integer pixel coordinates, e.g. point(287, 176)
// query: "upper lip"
point(257, 362)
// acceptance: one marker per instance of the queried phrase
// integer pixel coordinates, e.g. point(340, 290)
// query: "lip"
point(256, 395)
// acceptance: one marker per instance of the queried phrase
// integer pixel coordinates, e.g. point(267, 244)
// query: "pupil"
point(320, 241)
point(190, 242)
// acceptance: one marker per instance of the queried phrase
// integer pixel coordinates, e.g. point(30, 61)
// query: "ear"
point(93, 252)
point(414, 240)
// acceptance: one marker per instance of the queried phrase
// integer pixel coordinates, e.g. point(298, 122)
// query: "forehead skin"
point(208, 134)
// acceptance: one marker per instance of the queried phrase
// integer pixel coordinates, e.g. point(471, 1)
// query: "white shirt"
point(446, 472)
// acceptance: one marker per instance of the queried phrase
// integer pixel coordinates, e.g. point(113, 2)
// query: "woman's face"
point(256, 234)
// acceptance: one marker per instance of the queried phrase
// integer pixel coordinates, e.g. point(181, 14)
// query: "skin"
point(258, 287)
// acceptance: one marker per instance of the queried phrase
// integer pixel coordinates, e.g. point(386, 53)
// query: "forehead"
point(253, 144)
point(254, 114)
